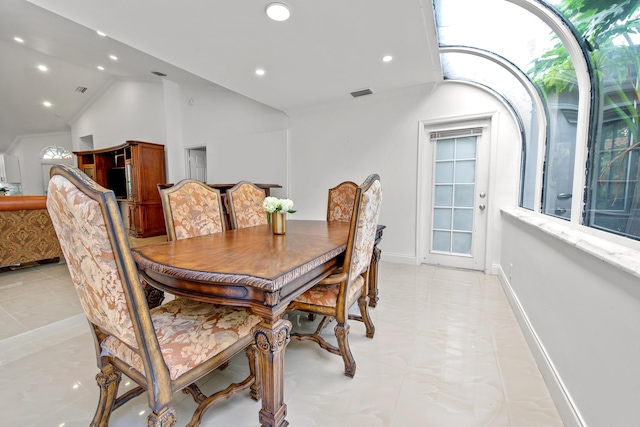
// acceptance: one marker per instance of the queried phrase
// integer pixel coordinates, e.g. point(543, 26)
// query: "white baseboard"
point(560, 395)
point(399, 258)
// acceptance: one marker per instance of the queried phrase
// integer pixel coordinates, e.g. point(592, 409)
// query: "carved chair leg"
point(195, 392)
point(342, 335)
point(373, 277)
point(252, 355)
point(108, 380)
point(363, 304)
point(166, 418)
point(323, 324)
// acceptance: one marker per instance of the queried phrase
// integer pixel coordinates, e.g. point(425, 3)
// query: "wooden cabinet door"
point(149, 166)
point(144, 164)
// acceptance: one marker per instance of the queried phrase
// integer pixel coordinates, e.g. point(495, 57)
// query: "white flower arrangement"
point(273, 204)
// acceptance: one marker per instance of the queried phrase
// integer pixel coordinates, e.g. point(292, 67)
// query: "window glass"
point(530, 47)
point(454, 194)
point(54, 152)
point(466, 66)
point(612, 30)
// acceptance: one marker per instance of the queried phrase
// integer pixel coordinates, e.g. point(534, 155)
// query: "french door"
point(454, 197)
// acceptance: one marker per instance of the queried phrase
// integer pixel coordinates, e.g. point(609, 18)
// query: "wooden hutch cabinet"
point(132, 170)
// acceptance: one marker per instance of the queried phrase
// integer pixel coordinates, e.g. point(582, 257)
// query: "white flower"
point(273, 204)
point(287, 205)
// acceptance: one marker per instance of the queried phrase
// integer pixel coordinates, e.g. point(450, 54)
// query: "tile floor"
point(447, 352)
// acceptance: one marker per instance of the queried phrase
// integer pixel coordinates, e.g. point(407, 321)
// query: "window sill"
point(618, 255)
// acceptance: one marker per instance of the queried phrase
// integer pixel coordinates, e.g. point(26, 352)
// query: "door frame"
point(489, 122)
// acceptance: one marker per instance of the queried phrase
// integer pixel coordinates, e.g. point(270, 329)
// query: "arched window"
point(583, 58)
point(54, 152)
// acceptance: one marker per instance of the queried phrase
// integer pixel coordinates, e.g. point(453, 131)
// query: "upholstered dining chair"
point(191, 208)
point(245, 205)
point(165, 349)
point(333, 296)
point(340, 201)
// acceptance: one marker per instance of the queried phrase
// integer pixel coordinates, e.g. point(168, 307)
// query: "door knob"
point(482, 207)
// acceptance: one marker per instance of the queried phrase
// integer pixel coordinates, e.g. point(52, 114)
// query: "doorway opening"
point(197, 163)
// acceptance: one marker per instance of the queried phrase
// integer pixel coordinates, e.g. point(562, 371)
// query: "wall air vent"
point(361, 92)
point(81, 89)
point(158, 73)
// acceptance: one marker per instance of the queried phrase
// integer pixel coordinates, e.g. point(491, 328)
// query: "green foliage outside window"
point(611, 32)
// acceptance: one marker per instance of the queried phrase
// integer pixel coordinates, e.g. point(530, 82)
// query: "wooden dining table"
point(253, 268)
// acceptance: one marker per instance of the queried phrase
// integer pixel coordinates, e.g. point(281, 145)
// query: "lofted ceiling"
point(325, 51)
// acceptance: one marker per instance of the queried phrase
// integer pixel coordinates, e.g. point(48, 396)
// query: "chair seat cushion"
point(189, 333)
point(327, 295)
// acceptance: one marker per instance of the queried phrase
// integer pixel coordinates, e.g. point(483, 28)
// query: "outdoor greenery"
point(610, 30)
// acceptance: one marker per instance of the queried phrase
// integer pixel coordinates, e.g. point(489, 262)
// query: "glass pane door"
point(453, 201)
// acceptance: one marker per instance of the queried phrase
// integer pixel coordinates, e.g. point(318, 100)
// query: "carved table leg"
point(271, 340)
point(154, 296)
point(373, 276)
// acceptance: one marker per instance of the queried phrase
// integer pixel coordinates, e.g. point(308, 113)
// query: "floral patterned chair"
point(340, 202)
point(165, 349)
point(245, 205)
point(191, 208)
point(333, 296)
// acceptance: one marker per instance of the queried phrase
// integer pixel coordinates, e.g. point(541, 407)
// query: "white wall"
point(380, 134)
point(217, 113)
point(128, 110)
point(174, 150)
point(28, 150)
point(266, 163)
point(231, 127)
point(581, 314)
point(245, 140)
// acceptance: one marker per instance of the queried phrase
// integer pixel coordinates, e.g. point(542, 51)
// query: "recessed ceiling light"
point(46, 104)
point(18, 39)
point(260, 72)
point(387, 58)
point(115, 58)
point(100, 33)
point(100, 67)
point(278, 11)
point(42, 68)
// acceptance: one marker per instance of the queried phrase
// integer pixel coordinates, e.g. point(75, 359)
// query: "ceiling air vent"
point(158, 73)
point(361, 92)
point(81, 89)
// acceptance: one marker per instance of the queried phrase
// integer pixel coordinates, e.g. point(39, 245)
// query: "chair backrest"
point(340, 201)
point(362, 231)
point(89, 226)
point(245, 205)
point(191, 208)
